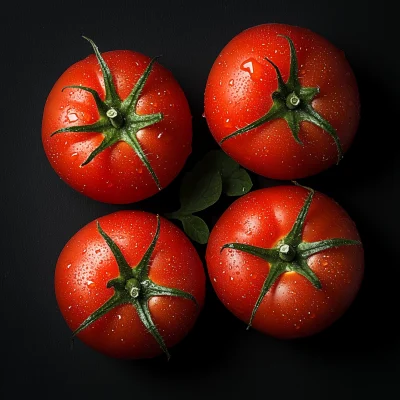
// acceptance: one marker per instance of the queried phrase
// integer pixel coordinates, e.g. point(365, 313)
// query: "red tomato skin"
point(292, 308)
point(234, 97)
point(117, 175)
point(86, 264)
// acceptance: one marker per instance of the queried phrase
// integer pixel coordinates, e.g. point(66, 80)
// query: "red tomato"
point(282, 293)
point(145, 139)
point(151, 274)
point(286, 128)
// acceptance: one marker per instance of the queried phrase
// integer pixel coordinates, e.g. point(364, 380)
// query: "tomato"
point(285, 260)
point(282, 101)
point(130, 284)
point(117, 126)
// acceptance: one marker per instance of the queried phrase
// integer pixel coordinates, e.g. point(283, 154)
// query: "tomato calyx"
point(133, 286)
point(290, 254)
point(118, 118)
point(293, 103)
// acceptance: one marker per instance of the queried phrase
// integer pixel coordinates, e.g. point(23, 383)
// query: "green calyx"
point(290, 254)
point(118, 118)
point(133, 286)
point(292, 102)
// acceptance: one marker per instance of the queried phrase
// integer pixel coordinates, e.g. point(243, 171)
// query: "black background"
point(357, 357)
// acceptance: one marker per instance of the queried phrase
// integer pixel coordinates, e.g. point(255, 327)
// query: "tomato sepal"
point(133, 286)
point(118, 118)
point(290, 254)
point(292, 102)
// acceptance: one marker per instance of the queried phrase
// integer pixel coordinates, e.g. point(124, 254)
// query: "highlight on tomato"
point(130, 285)
point(282, 101)
point(286, 260)
point(117, 126)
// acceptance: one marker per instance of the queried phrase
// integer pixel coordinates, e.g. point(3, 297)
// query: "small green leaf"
point(195, 228)
point(200, 189)
point(235, 180)
point(238, 183)
point(219, 160)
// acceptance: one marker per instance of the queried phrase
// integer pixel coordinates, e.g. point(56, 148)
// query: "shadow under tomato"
point(206, 347)
point(366, 331)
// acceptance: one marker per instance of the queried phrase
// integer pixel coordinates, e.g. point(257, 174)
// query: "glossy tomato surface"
point(239, 91)
point(86, 264)
point(117, 174)
point(293, 307)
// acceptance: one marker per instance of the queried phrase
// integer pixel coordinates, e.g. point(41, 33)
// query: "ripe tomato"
point(285, 262)
point(130, 284)
point(282, 101)
point(123, 126)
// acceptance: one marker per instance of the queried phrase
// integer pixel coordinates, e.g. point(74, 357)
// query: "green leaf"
point(200, 188)
point(219, 160)
point(238, 183)
point(235, 180)
point(195, 228)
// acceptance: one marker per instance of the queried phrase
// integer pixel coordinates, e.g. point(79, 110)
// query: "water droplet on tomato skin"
point(254, 68)
point(231, 82)
point(72, 117)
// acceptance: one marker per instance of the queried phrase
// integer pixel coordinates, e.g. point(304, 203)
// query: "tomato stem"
point(133, 287)
point(292, 101)
point(115, 117)
point(287, 252)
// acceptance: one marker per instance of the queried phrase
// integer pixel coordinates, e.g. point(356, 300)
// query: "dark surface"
point(356, 358)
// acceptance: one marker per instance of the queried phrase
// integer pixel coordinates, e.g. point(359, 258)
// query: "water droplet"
point(247, 66)
point(160, 135)
point(90, 283)
point(97, 251)
point(203, 115)
point(72, 117)
point(254, 68)
point(69, 266)
point(231, 82)
point(74, 154)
